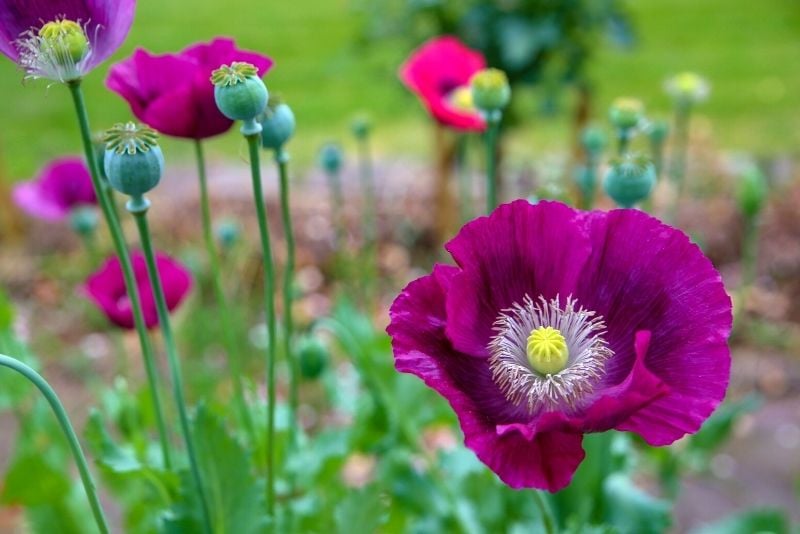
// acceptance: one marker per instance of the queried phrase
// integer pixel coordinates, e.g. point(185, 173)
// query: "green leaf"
point(767, 520)
point(6, 311)
point(632, 510)
point(109, 456)
point(717, 429)
point(361, 512)
point(33, 480)
point(235, 497)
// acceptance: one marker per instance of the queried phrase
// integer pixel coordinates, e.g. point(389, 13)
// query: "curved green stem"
point(74, 445)
point(140, 214)
point(232, 346)
point(254, 142)
point(110, 214)
point(282, 159)
point(492, 135)
point(547, 514)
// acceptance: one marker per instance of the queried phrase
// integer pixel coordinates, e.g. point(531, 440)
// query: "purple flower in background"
point(63, 39)
point(171, 93)
point(106, 288)
point(63, 185)
point(558, 322)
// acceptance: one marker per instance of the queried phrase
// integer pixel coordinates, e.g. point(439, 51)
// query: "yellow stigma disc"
point(547, 350)
point(66, 40)
point(461, 99)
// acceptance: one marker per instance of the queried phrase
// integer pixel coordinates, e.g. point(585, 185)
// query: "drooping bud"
point(239, 92)
point(630, 179)
point(331, 158)
point(626, 113)
point(313, 356)
point(83, 220)
point(133, 160)
point(278, 124)
point(751, 193)
point(688, 89)
point(491, 91)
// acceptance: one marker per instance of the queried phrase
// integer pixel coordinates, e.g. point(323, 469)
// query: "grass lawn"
point(749, 51)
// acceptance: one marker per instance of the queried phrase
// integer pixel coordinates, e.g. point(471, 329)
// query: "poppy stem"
point(547, 514)
point(66, 426)
point(492, 136)
point(369, 221)
point(107, 206)
point(337, 201)
point(138, 207)
point(282, 160)
point(230, 339)
point(679, 157)
point(464, 178)
point(252, 134)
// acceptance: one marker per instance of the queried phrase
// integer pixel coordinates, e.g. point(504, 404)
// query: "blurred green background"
point(748, 50)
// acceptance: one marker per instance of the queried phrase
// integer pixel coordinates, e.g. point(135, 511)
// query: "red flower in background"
point(438, 72)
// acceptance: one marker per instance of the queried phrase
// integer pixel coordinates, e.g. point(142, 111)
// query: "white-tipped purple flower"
point(62, 40)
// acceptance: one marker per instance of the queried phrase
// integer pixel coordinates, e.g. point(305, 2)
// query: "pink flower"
point(171, 93)
point(106, 288)
point(61, 186)
point(439, 73)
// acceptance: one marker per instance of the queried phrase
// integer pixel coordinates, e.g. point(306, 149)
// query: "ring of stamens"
point(546, 323)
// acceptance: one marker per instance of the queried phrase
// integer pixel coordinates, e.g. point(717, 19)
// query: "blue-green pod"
point(133, 160)
point(331, 158)
point(630, 179)
point(238, 91)
point(278, 124)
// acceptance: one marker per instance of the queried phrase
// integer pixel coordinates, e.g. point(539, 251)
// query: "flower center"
point(548, 357)
point(547, 350)
point(460, 99)
point(57, 51)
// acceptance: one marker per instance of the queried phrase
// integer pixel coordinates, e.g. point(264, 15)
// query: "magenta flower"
point(106, 288)
point(558, 322)
point(63, 185)
point(439, 73)
point(104, 23)
point(171, 93)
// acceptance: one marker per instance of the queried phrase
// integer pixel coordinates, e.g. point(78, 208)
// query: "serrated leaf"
point(768, 520)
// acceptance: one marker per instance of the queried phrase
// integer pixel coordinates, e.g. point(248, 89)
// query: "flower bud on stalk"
point(630, 179)
point(751, 193)
point(240, 94)
point(331, 158)
point(278, 124)
point(657, 132)
point(491, 92)
point(229, 232)
point(83, 220)
point(314, 357)
point(361, 127)
point(133, 161)
point(625, 115)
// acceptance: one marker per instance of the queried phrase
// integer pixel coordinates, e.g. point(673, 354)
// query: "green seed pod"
point(594, 140)
point(490, 90)
point(626, 113)
point(133, 160)
point(313, 356)
point(239, 92)
point(228, 233)
point(630, 179)
point(277, 123)
point(83, 220)
point(331, 158)
point(751, 193)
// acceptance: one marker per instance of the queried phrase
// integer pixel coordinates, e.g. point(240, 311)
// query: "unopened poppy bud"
point(688, 88)
point(331, 158)
point(626, 113)
point(313, 356)
point(361, 127)
point(593, 140)
point(751, 192)
point(277, 123)
point(133, 160)
point(239, 92)
point(490, 90)
point(658, 131)
point(228, 233)
point(630, 179)
point(83, 220)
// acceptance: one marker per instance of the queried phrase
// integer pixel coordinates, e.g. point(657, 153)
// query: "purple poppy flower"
point(63, 185)
point(104, 25)
point(106, 288)
point(171, 92)
point(558, 322)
